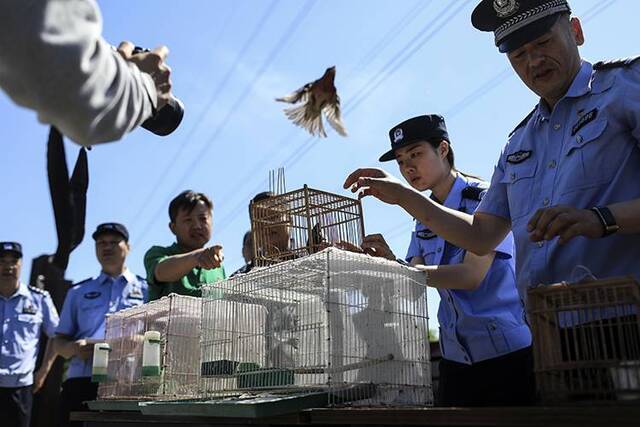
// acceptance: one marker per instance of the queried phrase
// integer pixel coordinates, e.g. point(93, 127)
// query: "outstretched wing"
point(301, 94)
point(332, 113)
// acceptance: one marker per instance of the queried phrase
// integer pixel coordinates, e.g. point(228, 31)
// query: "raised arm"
point(479, 233)
point(54, 60)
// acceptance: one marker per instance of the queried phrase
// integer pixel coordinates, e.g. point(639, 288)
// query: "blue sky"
point(395, 59)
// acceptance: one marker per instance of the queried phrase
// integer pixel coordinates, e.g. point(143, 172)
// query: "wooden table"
point(587, 416)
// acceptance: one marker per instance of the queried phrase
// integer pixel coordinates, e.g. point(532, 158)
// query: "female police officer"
point(485, 342)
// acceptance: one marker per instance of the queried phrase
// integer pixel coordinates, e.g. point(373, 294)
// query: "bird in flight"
point(315, 98)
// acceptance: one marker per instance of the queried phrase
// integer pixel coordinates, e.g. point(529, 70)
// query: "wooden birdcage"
point(586, 340)
point(302, 222)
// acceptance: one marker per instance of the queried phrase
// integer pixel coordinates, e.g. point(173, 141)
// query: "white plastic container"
point(151, 354)
point(100, 362)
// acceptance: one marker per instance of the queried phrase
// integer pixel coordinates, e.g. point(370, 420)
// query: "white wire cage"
point(345, 324)
point(177, 319)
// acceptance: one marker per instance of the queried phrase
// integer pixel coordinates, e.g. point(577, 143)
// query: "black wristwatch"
point(607, 219)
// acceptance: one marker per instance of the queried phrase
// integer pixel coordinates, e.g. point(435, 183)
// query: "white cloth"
point(53, 60)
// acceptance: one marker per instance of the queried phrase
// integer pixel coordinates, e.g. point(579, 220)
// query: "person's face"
point(422, 165)
point(111, 250)
point(548, 64)
point(273, 229)
point(193, 229)
point(10, 267)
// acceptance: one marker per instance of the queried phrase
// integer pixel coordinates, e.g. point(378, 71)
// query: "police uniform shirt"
point(484, 323)
point(23, 316)
point(87, 304)
point(584, 153)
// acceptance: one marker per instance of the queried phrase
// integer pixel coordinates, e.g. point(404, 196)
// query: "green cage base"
point(257, 407)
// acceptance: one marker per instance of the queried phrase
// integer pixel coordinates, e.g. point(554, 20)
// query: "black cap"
point(421, 128)
point(517, 22)
point(14, 247)
point(111, 227)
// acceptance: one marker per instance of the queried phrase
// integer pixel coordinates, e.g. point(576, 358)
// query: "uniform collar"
point(582, 83)
point(454, 198)
point(127, 275)
point(23, 290)
point(580, 86)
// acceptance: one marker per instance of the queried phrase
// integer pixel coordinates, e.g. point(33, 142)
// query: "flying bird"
point(316, 98)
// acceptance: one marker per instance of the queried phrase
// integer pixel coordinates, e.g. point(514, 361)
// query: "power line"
point(495, 81)
point(291, 29)
point(284, 143)
point(303, 148)
point(411, 15)
point(394, 64)
point(180, 148)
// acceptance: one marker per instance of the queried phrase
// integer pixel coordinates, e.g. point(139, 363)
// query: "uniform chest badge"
point(505, 8)
point(92, 295)
point(518, 157)
point(584, 120)
point(29, 308)
point(136, 293)
point(425, 234)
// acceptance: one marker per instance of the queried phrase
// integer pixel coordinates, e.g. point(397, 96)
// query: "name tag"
point(26, 317)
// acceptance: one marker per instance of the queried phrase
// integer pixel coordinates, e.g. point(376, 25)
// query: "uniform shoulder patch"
point(615, 63)
point(82, 282)
point(37, 290)
point(474, 193)
point(524, 122)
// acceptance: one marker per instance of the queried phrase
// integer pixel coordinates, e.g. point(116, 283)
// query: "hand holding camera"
point(169, 110)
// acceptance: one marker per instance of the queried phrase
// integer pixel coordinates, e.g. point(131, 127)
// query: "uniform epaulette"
point(37, 290)
point(83, 281)
point(523, 122)
point(615, 63)
point(474, 193)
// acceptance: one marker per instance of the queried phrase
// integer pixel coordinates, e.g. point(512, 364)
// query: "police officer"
point(82, 321)
point(567, 181)
point(485, 342)
point(25, 312)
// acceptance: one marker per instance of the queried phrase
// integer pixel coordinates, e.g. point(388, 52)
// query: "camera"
point(168, 118)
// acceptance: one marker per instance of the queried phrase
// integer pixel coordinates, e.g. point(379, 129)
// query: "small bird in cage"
point(317, 97)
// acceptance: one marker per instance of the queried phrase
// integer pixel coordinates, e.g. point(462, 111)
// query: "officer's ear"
point(172, 227)
point(443, 149)
point(576, 28)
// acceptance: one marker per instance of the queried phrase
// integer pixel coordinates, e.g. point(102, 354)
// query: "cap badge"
point(505, 8)
point(398, 135)
point(8, 246)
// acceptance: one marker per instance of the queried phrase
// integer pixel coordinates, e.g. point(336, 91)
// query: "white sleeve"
point(53, 60)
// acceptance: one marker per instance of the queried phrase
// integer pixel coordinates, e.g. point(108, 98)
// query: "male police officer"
point(82, 321)
point(25, 311)
point(566, 183)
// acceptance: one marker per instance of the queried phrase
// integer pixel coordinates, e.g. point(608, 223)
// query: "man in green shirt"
point(185, 266)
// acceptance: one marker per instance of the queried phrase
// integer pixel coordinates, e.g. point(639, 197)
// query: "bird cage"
point(177, 319)
point(348, 326)
point(586, 340)
point(303, 222)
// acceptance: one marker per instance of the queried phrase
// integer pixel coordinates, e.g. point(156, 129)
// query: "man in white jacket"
point(54, 60)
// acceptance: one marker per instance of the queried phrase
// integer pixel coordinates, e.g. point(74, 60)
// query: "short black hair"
point(187, 200)
point(261, 196)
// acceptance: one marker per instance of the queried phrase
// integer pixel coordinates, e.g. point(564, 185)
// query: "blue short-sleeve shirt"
point(87, 304)
point(480, 324)
point(23, 317)
point(583, 153)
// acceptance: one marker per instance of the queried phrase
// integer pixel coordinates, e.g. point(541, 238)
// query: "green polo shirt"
point(188, 285)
